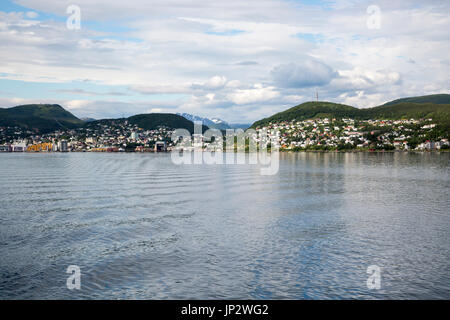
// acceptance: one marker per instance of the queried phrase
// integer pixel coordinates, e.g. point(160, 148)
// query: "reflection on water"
point(141, 227)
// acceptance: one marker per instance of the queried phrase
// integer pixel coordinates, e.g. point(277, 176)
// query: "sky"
point(235, 60)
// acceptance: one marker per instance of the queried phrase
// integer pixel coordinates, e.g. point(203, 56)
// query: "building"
point(134, 135)
point(5, 148)
point(63, 146)
point(160, 146)
point(19, 147)
point(91, 140)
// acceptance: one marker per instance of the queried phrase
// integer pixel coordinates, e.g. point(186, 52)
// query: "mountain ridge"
point(214, 123)
point(50, 117)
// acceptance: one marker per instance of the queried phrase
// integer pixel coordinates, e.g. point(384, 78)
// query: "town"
point(321, 134)
point(371, 135)
point(113, 136)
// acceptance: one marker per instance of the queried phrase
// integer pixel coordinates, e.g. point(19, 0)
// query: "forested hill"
point(39, 117)
point(435, 99)
point(151, 121)
point(44, 118)
point(397, 109)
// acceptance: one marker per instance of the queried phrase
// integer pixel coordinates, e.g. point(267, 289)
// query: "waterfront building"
point(160, 146)
point(63, 146)
point(19, 146)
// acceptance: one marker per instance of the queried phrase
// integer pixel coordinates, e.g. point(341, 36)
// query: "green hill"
point(311, 110)
point(45, 118)
point(408, 110)
point(397, 109)
point(39, 117)
point(435, 98)
point(151, 121)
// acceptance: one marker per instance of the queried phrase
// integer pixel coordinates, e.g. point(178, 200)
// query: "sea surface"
point(140, 227)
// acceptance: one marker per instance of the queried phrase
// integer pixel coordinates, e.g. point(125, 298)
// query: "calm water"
point(141, 227)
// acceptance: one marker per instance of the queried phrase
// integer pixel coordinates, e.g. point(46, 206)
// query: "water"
point(140, 227)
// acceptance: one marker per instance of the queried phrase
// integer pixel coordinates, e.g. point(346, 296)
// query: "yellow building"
point(46, 146)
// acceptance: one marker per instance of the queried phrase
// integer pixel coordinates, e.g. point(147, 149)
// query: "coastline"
point(281, 150)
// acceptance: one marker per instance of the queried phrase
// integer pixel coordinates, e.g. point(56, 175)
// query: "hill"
point(408, 110)
point(435, 98)
point(45, 118)
point(39, 117)
point(310, 110)
point(401, 109)
point(151, 121)
point(87, 119)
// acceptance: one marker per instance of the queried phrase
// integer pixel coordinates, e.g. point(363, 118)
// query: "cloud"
point(214, 83)
point(91, 93)
point(257, 94)
point(174, 88)
point(364, 79)
point(306, 73)
point(32, 14)
point(247, 63)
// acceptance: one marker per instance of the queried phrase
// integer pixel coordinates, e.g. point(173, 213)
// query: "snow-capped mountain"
point(214, 123)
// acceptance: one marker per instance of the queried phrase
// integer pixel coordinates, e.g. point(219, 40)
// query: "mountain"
point(435, 98)
point(214, 123)
point(436, 106)
point(88, 119)
point(397, 109)
point(408, 110)
point(242, 126)
point(151, 121)
point(310, 110)
point(45, 118)
point(39, 117)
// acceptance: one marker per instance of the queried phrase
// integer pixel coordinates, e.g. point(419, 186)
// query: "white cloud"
point(257, 94)
point(32, 14)
point(216, 82)
point(306, 73)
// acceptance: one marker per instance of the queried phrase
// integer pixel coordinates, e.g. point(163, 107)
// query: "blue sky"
point(239, 61)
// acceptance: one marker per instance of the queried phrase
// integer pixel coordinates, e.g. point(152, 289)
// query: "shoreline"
point(281, 151)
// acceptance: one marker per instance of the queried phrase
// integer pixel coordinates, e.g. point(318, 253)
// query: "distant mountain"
point(398, 109)
point(214, 123)
point(435, 98)
point(88, 119)
point(39, 117)
point(240, 125)
point(152, 121)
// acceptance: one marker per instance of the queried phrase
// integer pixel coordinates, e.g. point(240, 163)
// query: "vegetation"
point(310, 110)
point(152, 121)
point(436, 107)
point(435, 98)
point(39, 117)
point(44, 118)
